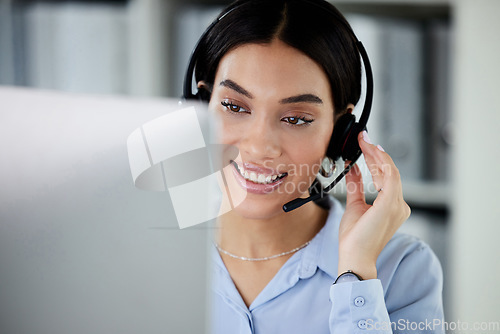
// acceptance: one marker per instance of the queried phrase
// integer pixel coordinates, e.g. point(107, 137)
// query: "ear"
point(201, 84)
point(204, 90)
point(350, 108)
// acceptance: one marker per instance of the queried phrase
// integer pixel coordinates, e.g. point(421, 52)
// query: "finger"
point(382, 168)
point(354, 185)
point(373, 161)
point(386, 177)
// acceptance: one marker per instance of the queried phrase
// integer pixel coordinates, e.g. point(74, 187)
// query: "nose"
point(261, 140)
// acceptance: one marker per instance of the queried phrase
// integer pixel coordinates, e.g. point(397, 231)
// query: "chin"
point(259, 209)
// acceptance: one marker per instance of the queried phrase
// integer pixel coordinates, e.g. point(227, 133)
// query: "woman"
point(279, 74)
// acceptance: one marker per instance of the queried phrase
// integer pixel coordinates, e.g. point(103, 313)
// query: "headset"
point(344, 141)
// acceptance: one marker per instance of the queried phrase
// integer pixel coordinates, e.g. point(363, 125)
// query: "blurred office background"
point(436, 105)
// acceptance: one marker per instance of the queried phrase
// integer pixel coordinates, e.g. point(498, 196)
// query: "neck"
point(257, 238)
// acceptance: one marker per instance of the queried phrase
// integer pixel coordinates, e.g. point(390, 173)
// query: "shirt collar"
point(322, 252)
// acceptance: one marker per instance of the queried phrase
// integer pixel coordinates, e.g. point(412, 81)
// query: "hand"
point(365, 229)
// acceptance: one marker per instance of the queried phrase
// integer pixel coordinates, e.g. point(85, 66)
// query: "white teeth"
point(258, 178)
point(253, 177)
point(261, 178)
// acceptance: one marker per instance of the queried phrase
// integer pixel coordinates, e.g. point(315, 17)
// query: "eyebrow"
point(308, 98)
point(237, 88)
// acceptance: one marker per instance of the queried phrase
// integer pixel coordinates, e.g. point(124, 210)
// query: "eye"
point(230, 106)
point(297, 120)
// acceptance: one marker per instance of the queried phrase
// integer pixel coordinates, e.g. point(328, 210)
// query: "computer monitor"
point(82, 249)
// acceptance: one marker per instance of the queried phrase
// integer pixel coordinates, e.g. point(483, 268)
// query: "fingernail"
point(380, 148)
point(366, 138)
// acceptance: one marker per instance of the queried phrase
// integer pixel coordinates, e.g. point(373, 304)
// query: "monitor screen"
point(82, 249)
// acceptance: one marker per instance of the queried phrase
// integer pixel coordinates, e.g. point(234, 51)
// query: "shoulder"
point(402, 245)
point(406, 252)
point(408, 270)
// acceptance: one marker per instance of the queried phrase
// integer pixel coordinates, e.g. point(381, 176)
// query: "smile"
point(256, 177)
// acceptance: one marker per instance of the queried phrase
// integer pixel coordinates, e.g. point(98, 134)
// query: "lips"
point(256, 179)
point(258, 174)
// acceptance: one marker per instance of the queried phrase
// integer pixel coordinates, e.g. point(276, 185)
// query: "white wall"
point(475, 229)
point(149, 56)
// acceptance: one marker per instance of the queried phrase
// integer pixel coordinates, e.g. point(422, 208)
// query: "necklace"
point(261, 258)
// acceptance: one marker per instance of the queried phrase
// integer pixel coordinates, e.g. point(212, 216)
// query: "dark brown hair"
point(314, 27)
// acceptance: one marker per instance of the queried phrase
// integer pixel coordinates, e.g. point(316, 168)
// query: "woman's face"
point(275, 106)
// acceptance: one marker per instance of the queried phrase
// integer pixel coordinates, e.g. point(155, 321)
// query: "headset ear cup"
point(351, 148)
point(341, 131)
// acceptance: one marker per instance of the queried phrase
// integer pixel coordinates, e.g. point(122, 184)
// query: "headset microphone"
point(298, 202)
point(344, 141)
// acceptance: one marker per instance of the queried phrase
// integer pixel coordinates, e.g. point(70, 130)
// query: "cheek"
point(229, 133)
point(307, 152)
point(224, 131)
point(306, 162)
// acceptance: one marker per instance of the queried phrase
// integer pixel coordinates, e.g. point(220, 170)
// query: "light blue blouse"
point(406, 297)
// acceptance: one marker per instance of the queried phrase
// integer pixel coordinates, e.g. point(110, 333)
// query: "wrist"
point(365, 270)
point(347, 277)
